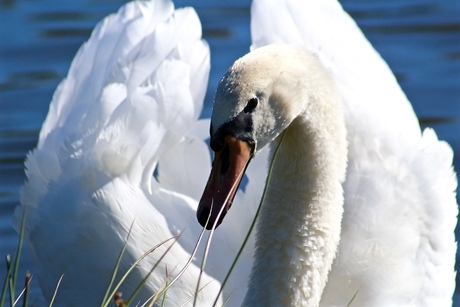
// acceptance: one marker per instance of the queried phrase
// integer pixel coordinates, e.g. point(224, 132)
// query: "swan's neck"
point(299, 227)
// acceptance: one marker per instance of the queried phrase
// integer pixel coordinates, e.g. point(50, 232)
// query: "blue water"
point(38, 39)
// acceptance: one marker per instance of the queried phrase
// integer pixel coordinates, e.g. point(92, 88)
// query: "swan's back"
point(127, 109)
point(397, 244)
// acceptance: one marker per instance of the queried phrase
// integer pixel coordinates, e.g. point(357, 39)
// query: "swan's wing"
point(122, 128)
point(398, 244)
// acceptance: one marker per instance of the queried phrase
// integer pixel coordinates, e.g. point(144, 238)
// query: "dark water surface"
point(38, 39)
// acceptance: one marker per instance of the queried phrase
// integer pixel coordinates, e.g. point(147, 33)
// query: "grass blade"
point(157, 294)
point(107, 298)
point(139, 287)
point(164, 295)
point(13, 267)
point(123, 278)
point(205, 255)
point(56, 290)
point(17, 258)
point(7, 280)
point(353, 298)
point(200, 237)
point(27, 290)
point(193, 296)
point(228, 299)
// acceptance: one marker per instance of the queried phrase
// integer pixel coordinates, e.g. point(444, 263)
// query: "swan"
point(282, 95)
point(360, 213)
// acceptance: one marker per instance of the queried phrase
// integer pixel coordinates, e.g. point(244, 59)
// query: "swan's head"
point(259, 96)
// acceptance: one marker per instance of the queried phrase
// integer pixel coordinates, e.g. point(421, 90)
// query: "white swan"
point(119, 118)
point(282, 95)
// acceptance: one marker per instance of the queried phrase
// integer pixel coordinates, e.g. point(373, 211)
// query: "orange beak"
point(228, 169)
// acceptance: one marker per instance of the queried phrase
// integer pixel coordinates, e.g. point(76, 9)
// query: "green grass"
point(10, 283)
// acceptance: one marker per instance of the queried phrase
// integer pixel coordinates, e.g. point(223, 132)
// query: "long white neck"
point(299, 227)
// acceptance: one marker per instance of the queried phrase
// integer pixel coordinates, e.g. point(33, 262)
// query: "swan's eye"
point(251, 105)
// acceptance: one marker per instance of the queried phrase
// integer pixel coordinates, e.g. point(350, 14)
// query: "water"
point(38, 39)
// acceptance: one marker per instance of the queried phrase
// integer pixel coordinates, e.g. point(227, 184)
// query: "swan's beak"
point(227, 171)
